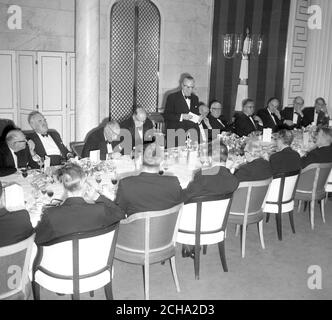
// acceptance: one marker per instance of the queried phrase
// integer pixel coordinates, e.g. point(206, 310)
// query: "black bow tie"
point(107, 142)
point(187, 97)
point(45, 135)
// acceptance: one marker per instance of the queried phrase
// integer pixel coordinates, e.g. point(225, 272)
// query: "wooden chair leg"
point(322, 210)
point(205, 249)
point(305, 206)
point(75, 296)
point(243, 240)
point(237, 230)
point(35, 290)
point(92, 294)
point(279, 225)
point(291, 220)
point(312, 214)
point(196, 262)
point(108, 291)
point(267, 218)
point(175, 275)
point(260, 232)
point(222, 253)
point(146, 271)
point(299, 206)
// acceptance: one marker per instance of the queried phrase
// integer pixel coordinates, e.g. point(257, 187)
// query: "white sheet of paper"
point(195, 117)
point(14, 197)
point(295, 118)
point(47, 162)
point(95, 156)
point(330, 123)
point(267, 135)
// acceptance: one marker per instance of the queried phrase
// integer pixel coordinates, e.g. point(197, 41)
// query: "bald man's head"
point(16, 140)
point(112, 131)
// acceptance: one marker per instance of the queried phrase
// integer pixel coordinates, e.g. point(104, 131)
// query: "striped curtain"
point(266, 73)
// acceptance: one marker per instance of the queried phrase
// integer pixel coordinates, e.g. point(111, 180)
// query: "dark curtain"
point(266, 73)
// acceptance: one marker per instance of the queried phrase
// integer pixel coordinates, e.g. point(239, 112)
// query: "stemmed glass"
point(98, 178)
point(24, 172)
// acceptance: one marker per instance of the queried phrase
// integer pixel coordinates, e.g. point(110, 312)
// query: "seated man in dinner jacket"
point(75, 214)
point(15, 226)
point(294, 115)
point(140, 128)
point(246, 122)
point(286, 159)
point(47, 142)
point(106, 139)
point(217, 120)
point(271, 116)
point(323, 151)
point(256, 167)
point(16, 153)
point(149, 191)
point(216, 180)
point(317, 115)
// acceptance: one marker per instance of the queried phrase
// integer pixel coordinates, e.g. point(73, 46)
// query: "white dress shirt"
point(274, 120)
point(188, 101)
point(49, 145)
point(14, 157)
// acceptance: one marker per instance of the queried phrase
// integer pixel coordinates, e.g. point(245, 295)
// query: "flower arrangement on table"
point(234, 143)
point(304, 140)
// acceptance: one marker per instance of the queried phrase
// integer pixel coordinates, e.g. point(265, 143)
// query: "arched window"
point(135, 53)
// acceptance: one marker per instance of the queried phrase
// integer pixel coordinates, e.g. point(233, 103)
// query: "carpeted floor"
point(278, 272)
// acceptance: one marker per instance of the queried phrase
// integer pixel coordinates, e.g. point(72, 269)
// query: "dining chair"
point(280, 198)
point(76, 263)
point(77, 148)
point(203, 222)
point(14, 269)
point(247, 208)
point(148, 238)
point(158, 121)
point(311, 188)
point(328, 187)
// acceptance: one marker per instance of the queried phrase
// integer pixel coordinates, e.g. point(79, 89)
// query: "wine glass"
point(24, 172)
point(161, 171)
point(98, 178)
point(50, 193)
point(114, 178)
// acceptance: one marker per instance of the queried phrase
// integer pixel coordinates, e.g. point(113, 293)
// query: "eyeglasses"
point(20, 141)
point(189, 87)
point(218, 109)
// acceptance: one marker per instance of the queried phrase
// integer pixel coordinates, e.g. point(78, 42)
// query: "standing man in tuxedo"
point(294, 115)
point(106, 139)
point(271, 116)
point(140, 128)
point(316, 115)
point(47, 142)
point(16, 153)
point(180, 104)
point(246, 122)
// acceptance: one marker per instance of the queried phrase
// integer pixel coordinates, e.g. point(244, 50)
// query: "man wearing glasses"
point(16, 153)
point(217, 120)
point(181, 107)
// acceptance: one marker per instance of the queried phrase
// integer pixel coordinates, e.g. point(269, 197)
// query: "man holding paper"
point(181, 111)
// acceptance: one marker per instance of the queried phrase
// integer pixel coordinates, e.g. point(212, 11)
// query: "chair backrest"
point(250, 197)
point(77, 148)
point(283, 187)
point(314, 178)
point(14, 267)
point(213, 212)
point(147, 232)
point(158, 121)
point(78, 256)
point(5, 126)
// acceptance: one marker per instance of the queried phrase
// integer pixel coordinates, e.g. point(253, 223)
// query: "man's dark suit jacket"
point(288, 114)
point(40, 150)
point(76, 215)
point(213, 181)
point(96, 141)
point(268, 121)
point(136, 140)
point(148, 192)
point(318, 155)
point(177, 105)
point(256, 170)
point(7, 164)
point(14, 227)
point(244, 126)
point(285, 161)
point(218, 127)
point(309, 117)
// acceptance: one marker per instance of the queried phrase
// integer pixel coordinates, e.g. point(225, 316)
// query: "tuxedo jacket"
point(218, 127)
point(213, 181)
point(318, 155)
point(40, 150)
point(136, 140)
point(268, 121)
point(177, 105)
point(288, 114)
point(96, 141)
point(285, 161)
point(7, 164)
point(309, 117)
point(256, 170)
point(76, 215)
point(14, 227)
point(243, 126)
point(148, 192)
